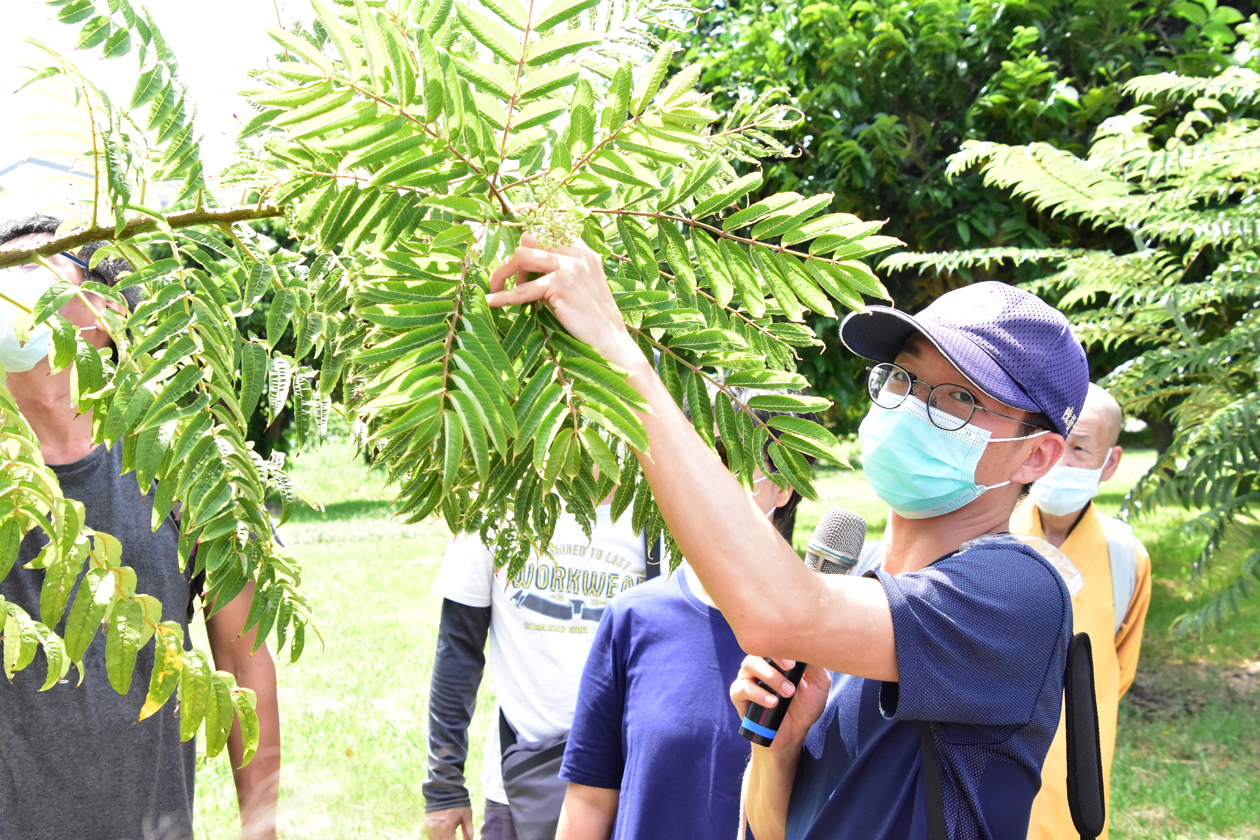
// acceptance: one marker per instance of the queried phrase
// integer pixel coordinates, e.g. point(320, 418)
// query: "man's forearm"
point(767, 788)
point(457, 668)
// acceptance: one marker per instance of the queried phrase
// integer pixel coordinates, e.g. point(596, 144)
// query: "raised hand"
point(574, 286)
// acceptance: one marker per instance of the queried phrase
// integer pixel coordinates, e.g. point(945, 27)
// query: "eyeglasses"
point(950, 407)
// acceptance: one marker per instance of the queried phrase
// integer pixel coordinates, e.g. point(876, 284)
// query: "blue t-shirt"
point(654, 718)
point(982, 641)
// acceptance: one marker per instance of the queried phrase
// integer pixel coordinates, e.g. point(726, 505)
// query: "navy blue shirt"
point(982, 641)
point(654, 718)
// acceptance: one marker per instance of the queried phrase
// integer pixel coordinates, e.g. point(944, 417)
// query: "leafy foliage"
point(890, 89)
point(1178, 174)
point(409, 147)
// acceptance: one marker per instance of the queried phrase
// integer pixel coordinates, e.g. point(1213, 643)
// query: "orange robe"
point(1093, 612)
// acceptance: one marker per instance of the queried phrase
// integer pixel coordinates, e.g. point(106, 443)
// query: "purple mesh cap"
point(1013, 345)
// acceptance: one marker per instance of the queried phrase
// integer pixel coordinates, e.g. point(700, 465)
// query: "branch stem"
point(135, 225)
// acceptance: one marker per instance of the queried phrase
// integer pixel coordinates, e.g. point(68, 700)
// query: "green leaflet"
point(805, 287)
point(728, 430)
point(401, 61)
point(20, 640)
point(624, 169)
point(751, 295)
point(431, 69)
point(809, 446)
point(148, 84)
point(219, 713)
point(715, 270)
point(510, 10)
point(152, 444)
point(547, 430)
point(245, 702)
point(728, 195)
point(560, 44)
point(651, 79)
point(613, 116)
point(789, 217)
point(96, 594)
point(474, 432)
point(560, 11)
point(453, 449)
point(291, 97)
point(488, 78)
point(122, 643)
point(351, 115)
point(302, 47)
point(861, 276)
point(55, 654)
point(762, 208)
point(486, 408)
point(795, 468)
point(278, 384)
point(375, 53)
point(179, 385)
point(340, 37)
point(789, 402)
point(538, 112)
point(544, 80)
point(608, 379)
point(599, 452)
point(492, 34)
point(766, 379)
point(316, 108)
point(366, 135)
point(194, 691)
point(679, 260)
point(771, 270)
point(835, 283)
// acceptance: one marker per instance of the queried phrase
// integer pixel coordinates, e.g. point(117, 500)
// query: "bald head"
point(1092, 442)
point(1105, 412)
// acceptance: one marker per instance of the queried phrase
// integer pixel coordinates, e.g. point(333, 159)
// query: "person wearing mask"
point(958, 627)
point(75, 761)
point(540, 625)
point(642, 766)
point(1110, 607)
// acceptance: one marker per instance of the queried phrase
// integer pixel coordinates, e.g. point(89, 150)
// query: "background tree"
point(409, 145)
point(1175, 180)
point(890, 89)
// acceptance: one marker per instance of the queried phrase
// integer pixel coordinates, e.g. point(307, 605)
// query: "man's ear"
point(1112, 463)
point(1046, 452)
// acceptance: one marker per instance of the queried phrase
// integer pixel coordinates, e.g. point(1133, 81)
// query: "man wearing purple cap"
point(956, 625)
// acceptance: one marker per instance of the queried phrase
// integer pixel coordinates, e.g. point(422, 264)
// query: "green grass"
point(354, 717)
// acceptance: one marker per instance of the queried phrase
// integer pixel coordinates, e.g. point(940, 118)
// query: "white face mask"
point(1066, 490)
point(770, 513)
point(26, 285)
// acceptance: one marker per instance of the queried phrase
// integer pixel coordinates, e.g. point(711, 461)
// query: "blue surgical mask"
point(919, 469)
point(1066, 490)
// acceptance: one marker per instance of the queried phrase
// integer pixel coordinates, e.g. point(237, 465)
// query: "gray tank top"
point(73, 760)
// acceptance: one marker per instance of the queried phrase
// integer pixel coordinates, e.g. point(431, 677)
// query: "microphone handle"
point(760, 724)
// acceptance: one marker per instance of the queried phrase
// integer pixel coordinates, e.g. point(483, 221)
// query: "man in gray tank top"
point(74, 763)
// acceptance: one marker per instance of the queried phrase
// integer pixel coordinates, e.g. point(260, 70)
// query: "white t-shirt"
point(542, 622)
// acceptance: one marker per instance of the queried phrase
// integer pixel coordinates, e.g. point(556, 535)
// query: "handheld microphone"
point(833, 549)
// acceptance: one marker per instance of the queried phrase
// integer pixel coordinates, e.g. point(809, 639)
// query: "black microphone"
point(832, 550)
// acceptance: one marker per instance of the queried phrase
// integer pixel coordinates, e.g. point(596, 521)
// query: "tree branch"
point(135, 225)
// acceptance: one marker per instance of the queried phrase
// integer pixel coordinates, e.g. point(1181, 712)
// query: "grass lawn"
point(354, 716)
